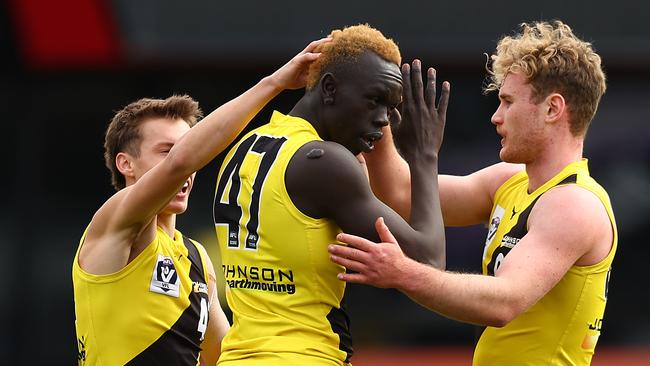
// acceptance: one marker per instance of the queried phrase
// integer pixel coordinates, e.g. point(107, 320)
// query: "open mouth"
point(185, 188)
point(503, 137)
point(370, 138)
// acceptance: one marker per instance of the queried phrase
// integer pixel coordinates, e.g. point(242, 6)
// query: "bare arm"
point(128, 215)
point(465, 200)
point(334, 186)
point(560, 235)
point(389, 175)
point(217, 322)
point(468, 200)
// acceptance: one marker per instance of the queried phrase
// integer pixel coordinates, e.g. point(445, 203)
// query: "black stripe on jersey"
point(340, 324)
point(573, 178)
point(181, 344)
point(197, 274)
point(518, 231)
point(521, 227)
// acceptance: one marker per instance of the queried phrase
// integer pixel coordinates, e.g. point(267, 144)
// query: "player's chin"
point(503, 156)
point(177, 206)
point(513, 158)
point(506, 155)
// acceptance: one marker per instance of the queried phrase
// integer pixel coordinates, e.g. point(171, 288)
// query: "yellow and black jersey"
point(281, 286)
point(154, 311)
point(563, 327)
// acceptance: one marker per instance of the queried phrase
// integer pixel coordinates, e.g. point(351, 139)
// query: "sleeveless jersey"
point(563, 327)
point(154, 311)
point(281, 286)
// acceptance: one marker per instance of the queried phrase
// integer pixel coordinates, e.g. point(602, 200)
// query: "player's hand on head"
point(293, 74)
point(420, 129)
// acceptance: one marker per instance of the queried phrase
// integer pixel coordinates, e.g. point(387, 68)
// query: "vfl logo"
point(497, 216)
point(494, 225)
point(164, 279)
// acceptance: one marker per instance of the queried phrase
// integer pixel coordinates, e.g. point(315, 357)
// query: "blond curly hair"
point(552, 59)
point(349, 43)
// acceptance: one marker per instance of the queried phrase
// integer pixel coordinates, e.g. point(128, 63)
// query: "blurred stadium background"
point(68, 64)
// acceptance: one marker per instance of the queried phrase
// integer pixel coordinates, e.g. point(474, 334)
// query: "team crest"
point(494, 224)
point(495, 221)
point(164, 279)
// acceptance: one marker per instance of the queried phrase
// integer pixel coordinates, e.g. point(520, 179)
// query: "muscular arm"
point(468, 200)
point(390, 176)
point(334, 186)
point(127, 216)
point(567, 226)
point(465, 200)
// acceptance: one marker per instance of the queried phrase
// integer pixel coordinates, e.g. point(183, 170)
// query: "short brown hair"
point(553, 59)
point(123, 133)
point(349, 43)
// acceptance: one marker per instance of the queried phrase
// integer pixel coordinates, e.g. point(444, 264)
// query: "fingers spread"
point(444, 100)
point(430, 91)
point(416, 80)
point(407, 93)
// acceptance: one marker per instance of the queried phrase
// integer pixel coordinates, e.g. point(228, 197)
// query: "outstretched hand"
point(420, 126)
point(293, 74)
point(375, 264)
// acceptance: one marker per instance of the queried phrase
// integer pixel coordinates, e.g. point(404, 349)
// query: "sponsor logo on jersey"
point(509, 241)
point(164, 279)
point(259, 278)
point(200, 287)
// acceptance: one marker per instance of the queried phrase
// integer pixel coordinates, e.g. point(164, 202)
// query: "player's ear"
point(328, 87)
point(555, 107)
point(124, 163)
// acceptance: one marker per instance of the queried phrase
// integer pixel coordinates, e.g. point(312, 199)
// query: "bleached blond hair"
point(349, 43)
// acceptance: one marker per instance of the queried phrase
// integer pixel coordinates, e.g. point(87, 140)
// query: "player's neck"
point(552, 161)
point(167, 222)
point(308, 108)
